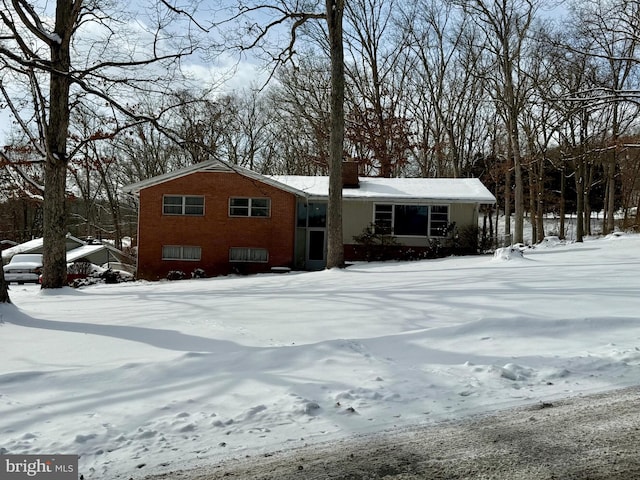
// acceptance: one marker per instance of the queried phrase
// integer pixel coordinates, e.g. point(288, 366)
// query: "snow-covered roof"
point(83, 251)
point(36, 246)
point(452, 190)
point(25, 247)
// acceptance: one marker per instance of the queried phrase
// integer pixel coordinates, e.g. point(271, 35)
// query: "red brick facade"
point(215, 232)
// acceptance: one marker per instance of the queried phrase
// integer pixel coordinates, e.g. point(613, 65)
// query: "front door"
point(316, 249)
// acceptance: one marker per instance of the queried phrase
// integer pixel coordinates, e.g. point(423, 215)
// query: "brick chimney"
point(350, 175)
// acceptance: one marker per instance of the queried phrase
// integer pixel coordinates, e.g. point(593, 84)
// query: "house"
point(221, 218)
point(94, 252)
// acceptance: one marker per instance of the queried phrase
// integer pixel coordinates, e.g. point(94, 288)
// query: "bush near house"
point(372, 245)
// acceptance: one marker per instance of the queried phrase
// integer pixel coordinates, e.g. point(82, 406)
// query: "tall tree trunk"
point(540, 200)
point(533, 194)
point(335, 246)
point(561, 233)
point(507, 203)
point(588, 182)
point(580, 200)
point(518, 199)
point(610, 225)
point(57, 129)
point(54, 225)
point(610, 177)
point(4, 288)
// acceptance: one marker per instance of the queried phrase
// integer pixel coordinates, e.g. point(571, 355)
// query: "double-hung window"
point(439, 225)
point(383, 220)
point(183, 205)
point(249, 207)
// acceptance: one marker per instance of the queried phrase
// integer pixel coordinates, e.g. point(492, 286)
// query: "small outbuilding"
point(98, 253)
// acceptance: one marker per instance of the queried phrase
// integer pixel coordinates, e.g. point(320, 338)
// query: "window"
point(439, 221)
point(412, 220)
point(383, 219)
point(249, 207)
point(318, 214)
point(182, 205)
point(258, 255)
point(302, 214)
point(179, 252)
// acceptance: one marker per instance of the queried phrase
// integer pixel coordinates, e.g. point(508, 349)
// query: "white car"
point(23, 268)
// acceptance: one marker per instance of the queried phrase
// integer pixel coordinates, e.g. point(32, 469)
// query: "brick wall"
point(215, 232)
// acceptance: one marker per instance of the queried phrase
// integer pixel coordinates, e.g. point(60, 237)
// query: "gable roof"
point(451, 190)
point(210, 166)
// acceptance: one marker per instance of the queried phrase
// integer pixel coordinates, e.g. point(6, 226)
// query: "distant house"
point(222, 218)
point(94, 252)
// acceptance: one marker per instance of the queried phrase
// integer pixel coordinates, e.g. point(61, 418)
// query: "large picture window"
point(182, 205)
point(242, 254)
point(181, 252)
point(249, 207)
point(412, 220)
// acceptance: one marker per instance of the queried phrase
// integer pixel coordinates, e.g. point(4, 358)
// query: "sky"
point(131, 29)
point(142, 378)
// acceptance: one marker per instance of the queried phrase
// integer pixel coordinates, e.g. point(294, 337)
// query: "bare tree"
point(377, 127)
point(302, 121)
point(246, 131)
point(256, 23)
point(574, 74)
point(81, 53)
point(506, 25)
point(613, 27)
point(594, 66)
point(444, 77)
point(540, 122)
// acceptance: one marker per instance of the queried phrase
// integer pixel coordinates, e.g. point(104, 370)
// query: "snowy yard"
point(141, 378)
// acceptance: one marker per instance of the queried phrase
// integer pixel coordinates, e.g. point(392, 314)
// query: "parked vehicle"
point(23, 268)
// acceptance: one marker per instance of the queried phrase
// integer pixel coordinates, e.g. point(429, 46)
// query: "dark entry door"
point(316, 249)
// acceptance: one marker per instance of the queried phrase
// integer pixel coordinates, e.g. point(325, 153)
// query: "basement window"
point(181, 252)
point(242, 254)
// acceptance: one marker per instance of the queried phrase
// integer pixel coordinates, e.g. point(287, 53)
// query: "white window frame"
point(388, 215)
point(248, 255)
point(184, 207)
point(182, 253)
point(250, 208)
point(446, 221)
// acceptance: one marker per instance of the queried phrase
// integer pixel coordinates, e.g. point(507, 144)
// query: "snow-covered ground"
point(141, 378)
